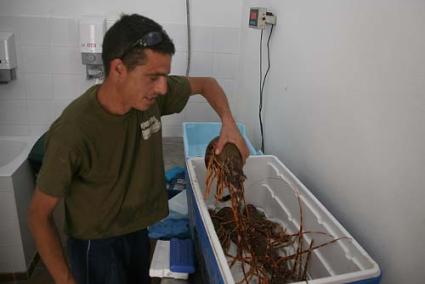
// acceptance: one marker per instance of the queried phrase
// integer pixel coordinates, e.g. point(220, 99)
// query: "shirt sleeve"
point(178, 93)
point(60, 163)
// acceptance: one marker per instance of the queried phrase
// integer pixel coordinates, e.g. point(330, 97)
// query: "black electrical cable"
point(263, 81)
point(189, 43)
point(268, 58)
point(260, 107)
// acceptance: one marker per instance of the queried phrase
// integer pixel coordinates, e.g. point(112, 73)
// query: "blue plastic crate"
point(197, 135)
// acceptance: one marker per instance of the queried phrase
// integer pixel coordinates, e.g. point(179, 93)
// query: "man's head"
point(128, 38)
point(137, 57)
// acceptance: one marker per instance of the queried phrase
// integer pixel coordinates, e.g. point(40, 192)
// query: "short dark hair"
point(124, 33)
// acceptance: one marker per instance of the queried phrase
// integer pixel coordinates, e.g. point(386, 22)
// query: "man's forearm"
point(50, 249)
point(215, 96)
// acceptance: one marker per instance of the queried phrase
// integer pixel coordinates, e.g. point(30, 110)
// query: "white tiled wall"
point(50, 73)
point(215, 53)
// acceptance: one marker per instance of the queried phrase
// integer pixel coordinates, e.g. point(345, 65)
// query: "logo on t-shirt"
point(149, 127)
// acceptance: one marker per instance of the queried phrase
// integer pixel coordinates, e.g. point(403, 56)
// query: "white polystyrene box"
point(272, 188)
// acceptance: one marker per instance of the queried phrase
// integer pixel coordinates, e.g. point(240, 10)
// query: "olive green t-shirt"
point(109, 168)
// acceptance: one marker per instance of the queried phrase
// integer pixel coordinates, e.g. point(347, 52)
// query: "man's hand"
point(230, 134)
point(69, 280)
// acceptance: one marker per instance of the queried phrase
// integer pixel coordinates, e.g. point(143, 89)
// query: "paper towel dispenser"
point(8, 61)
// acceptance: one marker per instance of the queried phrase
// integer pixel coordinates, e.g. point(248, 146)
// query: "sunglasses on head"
point(148, 40)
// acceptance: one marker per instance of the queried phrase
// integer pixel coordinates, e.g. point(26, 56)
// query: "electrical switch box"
point(259, 18)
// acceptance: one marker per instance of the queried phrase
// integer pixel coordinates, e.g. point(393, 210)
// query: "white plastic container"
point(160, 264)
point(271, 187)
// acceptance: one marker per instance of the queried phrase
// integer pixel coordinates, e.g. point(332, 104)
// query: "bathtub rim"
point(10, 168)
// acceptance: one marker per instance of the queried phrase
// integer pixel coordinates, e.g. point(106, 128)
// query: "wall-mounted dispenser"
point(8, 62)
point(92, 29)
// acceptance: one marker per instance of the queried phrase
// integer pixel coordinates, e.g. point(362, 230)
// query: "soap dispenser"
point(92, 29)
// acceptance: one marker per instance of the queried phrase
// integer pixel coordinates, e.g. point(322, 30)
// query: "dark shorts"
point(116, 260)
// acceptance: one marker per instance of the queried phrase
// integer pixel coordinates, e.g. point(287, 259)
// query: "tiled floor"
point(173, 156)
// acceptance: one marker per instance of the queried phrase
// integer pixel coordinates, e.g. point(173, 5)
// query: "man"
point(104, 158)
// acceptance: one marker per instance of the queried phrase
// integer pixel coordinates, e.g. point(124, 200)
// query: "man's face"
point(148, 81)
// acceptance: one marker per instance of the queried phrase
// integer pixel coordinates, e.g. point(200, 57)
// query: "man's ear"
point(117, 69)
